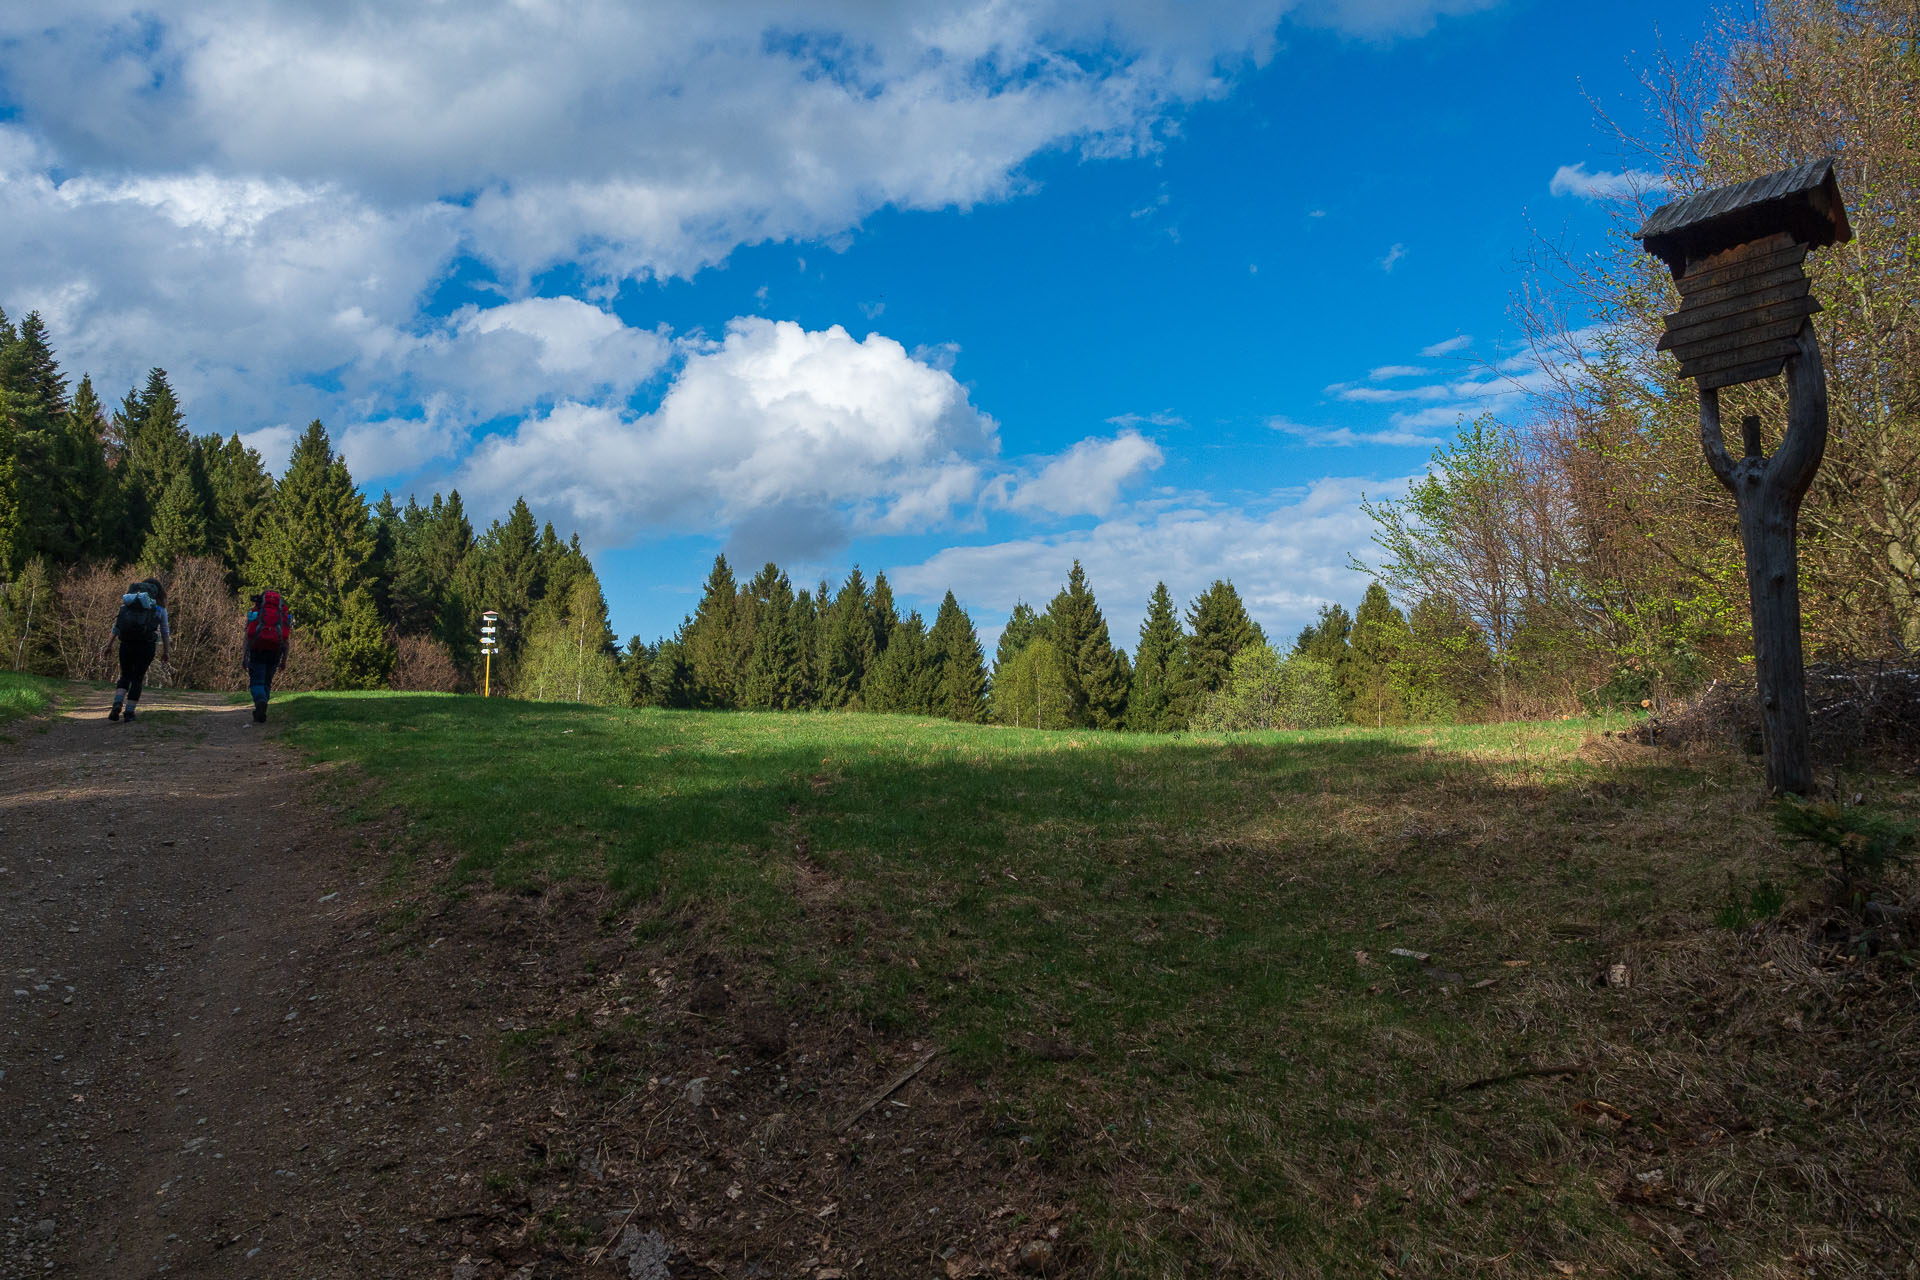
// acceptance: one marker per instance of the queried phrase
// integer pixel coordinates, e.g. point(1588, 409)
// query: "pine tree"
point(954, 649)
point(1217, 629)
point(1096, 680)
point(708, 639)
point(1161, 695)
point(672, 677)
point(315, 550)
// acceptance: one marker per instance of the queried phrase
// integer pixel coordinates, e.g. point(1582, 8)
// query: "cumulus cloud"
point(1574, 180)
point(1286, 558)
point(773, 428)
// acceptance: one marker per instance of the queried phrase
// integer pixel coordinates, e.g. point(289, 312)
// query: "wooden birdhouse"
point(1736, 255)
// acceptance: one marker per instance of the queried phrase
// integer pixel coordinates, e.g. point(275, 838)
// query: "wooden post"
point(1737, 255)
point(1767, 492)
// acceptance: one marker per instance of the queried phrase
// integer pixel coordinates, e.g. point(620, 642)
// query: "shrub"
point(422, 664)
point(1264, 692)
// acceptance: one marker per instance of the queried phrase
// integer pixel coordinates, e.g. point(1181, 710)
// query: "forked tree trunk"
point(1767, 492)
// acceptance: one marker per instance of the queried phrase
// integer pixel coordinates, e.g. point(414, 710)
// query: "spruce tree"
point(1023, 627)
point(954, 648)
point(315, 550)
point(242, 499)
point(11, 556)
point(94, 497)
point(156, 448)
point(881, 613)
point(1160, 697)
point(511, 582)
point(849, 651)
point(636, 673)
point(708, 639)
point(1217, 630)
point(1325, 642)
point(358, 649)
point(179, 525)
point(1096, 679)
point(903, 680)
point(774, 681)
point(806, 639)
point(1380, 636)
point(29, 370)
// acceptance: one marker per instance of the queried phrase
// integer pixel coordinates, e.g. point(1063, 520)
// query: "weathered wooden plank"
point(1748, 336)
point(1749, 259)
point(1678, 337)
point(1743, 373)
point(1752, 353)
point(1787, 282)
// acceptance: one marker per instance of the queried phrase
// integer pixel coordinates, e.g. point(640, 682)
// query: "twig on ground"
point(1564, 1069)
point(891, 1089)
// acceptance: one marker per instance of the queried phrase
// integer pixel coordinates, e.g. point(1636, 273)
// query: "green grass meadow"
point(22, 695)
point(1172, 956)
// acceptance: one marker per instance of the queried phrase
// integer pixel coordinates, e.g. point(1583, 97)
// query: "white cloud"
point(1088, 478)
point(1388, 372)
point(1393, 257)
point(1574, 180)
point(308, 173)
point(814, 426)
point(1162, 418)
point(1403, 433)
point(1286, 559)
point(1450, 346)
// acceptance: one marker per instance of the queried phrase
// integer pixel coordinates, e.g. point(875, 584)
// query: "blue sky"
point(960, 291)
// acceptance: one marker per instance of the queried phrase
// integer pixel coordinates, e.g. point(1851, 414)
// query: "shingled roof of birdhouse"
point(1803, 201)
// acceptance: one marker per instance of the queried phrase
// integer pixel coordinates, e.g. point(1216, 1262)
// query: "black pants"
point(135, 657)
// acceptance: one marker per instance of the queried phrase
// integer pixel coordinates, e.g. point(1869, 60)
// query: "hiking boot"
point(259, 713)
point(115, 713)
point(129, 716)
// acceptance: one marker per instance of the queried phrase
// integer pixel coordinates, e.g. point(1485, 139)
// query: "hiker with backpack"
point(140, 626)
point(269, 634)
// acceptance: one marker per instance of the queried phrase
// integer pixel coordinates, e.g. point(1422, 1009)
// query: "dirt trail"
point(165, 897)
point(231, 1046)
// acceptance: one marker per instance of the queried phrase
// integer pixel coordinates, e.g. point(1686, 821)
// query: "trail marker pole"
point(489, 643)
point(1746, 313)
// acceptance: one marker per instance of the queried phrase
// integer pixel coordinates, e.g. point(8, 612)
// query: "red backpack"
point(267, 627)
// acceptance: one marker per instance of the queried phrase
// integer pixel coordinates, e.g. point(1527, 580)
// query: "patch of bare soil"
point(231, 1046)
